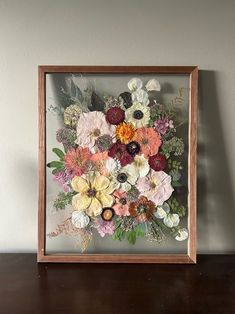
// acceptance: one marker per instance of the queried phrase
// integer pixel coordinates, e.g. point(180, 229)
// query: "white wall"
point(111, 32)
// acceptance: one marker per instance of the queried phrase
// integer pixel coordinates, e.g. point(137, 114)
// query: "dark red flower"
point(157, 162)
point(133, 148)
point(115, 115)
point(119, 151)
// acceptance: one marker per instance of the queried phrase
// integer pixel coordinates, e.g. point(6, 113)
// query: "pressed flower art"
point(119, 164)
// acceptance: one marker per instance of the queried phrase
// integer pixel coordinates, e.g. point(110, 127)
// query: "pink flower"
point(99, 161)
point(121, 206)
point(104, 227)
point(77, 160)
point(149, 141)
point(156, 186)
point(63, 178)
point(162, 125)
point(90, 127)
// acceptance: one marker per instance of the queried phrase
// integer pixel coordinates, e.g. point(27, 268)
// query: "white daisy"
point(125, 178)
point(138, 114)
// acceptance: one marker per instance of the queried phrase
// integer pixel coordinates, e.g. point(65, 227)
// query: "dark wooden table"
point(28, 287)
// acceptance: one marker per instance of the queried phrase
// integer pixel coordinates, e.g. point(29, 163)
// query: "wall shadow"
point(215, 197)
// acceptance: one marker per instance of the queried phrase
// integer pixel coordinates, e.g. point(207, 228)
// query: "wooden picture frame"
point(190, 256)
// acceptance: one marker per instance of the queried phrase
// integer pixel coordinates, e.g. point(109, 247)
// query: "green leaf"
point(139, 231)
point(131, 237)
point(175, 184)
point(55, 164)
point(55, 170)
point(59, 153)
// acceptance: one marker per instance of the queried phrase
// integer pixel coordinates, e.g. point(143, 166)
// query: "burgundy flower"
point(119, 151)
point(115, 115)
point(157, 162)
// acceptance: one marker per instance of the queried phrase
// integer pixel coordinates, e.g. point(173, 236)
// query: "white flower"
point(162, 211)
point(139, 166)
point(182, 234)
point(134, 84)
point(138, 115)
point(171, 220)
point(80, 219)
point(153, 85)
point(125, 178)
point(140, 96)
point(112, 165)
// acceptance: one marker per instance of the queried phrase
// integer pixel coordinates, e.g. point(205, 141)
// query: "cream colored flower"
point(138, 114)
point(182, 234)
point(80, 219)
point(125, 178)
point(112, 165)
point(94, 192)
point(153, 85)
point(171, 220)
point(139, 166)
point(134, 84)
point(72, 114)
point(140, 96)
point(162, 211)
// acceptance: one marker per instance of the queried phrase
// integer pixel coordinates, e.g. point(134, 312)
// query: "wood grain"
point(190, 257)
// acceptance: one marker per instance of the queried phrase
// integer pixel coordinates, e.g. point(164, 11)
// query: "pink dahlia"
point(77, 160)
point(90, 127)
point(149, 141)
point(156, 187)
point(121, 207)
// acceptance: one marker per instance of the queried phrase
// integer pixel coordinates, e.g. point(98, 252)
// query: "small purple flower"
point(163, 124)
point(104, 227)
point(63, 178)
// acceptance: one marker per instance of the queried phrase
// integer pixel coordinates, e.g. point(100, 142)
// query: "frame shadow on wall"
point(216, 203)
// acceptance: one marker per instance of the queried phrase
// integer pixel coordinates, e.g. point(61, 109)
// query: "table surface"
point(28, 287)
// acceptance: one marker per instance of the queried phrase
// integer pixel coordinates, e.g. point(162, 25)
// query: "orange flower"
point(142, 209)
point(77, 160)
point(149, 141)
point(125, 132)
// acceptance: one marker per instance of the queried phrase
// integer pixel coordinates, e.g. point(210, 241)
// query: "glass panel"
point(145, 180)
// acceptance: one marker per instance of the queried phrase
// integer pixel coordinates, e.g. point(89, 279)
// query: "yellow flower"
point(125, 132)
point(93, 193)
